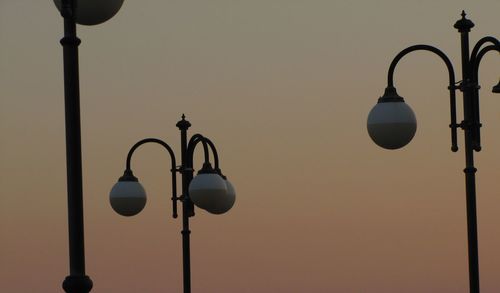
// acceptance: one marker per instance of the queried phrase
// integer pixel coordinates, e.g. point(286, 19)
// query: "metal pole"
point(187, 205)
point(77, 281)
point(470, 126)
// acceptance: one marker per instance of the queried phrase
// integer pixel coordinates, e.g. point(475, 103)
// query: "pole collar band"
point(70, 41)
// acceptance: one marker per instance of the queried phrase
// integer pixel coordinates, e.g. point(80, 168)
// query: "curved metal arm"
point(216, 155)
point(421, 48)
point(479, 44)
point(476, 56)
point(452, 87)
point(193, 142)
point(206, 141)
point(173, 170)
point(195, 139)
point(480, 55)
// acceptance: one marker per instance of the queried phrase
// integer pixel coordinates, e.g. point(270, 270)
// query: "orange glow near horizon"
point(283, 88)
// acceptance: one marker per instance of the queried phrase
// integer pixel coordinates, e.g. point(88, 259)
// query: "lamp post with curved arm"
point(88, 12)
point(392, 124)
point(209, 190)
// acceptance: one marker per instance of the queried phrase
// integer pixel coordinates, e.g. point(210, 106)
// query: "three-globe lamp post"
point(85, 12)
point(392, 123)
point(209, 190)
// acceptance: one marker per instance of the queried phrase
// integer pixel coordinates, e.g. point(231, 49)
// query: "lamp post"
point(209, 190)
point(88, 12)
point(392, 124)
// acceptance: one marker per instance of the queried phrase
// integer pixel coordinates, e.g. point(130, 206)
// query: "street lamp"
point(392, 124)
point(209, 190)
point(88, 12)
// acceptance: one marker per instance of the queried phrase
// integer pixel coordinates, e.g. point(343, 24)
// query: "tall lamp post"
point(88, 12)
point(209, 190)
point(392, 124)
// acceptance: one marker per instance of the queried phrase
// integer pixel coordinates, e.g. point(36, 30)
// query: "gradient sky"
point(283, 88)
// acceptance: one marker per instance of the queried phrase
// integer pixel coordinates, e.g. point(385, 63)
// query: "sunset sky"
point(283, 88)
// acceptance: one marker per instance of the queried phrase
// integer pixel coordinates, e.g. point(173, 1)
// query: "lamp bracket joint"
point(468, 85)
point(468, 125)
point(470, 170)
point(185, 169)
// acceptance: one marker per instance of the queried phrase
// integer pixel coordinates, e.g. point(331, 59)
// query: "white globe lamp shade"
point(391, 123)
point(208, 191)
point(231, 194)
point(127, 198)
point(224, 204)
point(92, 12)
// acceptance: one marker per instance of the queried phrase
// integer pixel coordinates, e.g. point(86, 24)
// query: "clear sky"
point(283, 88)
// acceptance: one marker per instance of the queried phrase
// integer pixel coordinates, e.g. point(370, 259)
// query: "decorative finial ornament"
point(464, 24)
point(183, 124)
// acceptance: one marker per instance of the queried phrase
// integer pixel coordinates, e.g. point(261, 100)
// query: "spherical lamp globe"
point(391, 123)
point(225, 203)
point(208, 191)
point(127, 198)
point(230, 198)
point(92, 12)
